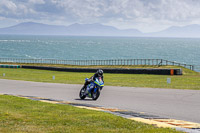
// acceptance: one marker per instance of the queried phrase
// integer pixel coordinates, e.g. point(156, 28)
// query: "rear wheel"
point(95, 95)
point(82, 93)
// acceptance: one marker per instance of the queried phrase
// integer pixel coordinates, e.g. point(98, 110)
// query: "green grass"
point(190, 79)
point(24, 115)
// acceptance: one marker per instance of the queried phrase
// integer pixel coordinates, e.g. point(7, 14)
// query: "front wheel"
point(82, 93)
point(95, 95)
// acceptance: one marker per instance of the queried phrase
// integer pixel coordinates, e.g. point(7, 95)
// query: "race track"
point(169, 103)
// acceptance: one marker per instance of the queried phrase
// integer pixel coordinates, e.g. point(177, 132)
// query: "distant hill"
point(177, 31)
point(31, 28)
point(96, 29)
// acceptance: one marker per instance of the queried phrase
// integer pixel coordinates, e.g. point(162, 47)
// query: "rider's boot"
point(86, 91)
point(86, 87)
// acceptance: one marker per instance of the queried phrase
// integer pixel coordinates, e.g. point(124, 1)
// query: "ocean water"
point(182, 50)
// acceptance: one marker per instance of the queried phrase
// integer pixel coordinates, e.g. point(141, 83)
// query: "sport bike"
point(92, 90)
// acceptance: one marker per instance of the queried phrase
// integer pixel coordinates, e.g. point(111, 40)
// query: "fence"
point(197, 68)
point(146, 62)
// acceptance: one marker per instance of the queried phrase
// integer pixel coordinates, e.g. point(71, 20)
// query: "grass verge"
point(24, 115)
point(190, 79)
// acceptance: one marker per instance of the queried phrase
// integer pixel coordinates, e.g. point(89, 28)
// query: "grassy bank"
point(92, 66)
point(24, 115)
point(190, 79)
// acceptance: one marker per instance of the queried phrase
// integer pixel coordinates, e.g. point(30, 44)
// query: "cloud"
point(11, 9)
point(132, 10)
point(7, 7)
point(37, 1)
point(121, 13)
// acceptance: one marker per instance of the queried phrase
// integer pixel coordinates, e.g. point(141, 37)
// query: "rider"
point(99, 73)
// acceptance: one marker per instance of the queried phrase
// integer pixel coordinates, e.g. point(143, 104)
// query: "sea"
point(181, 50)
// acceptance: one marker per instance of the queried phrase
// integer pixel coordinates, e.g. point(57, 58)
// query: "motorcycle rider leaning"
point(99, 73)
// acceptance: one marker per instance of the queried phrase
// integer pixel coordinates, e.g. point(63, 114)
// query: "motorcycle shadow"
point(78, 99)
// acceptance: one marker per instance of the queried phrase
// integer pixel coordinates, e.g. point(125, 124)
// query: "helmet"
point(100, 72)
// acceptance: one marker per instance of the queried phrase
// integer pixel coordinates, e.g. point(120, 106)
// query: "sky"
point(144, 15)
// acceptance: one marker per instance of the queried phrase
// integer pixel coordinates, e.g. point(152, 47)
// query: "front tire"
point(82, 93)
point(95, 95)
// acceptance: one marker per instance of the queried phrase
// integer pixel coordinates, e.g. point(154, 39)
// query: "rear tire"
point(95, 95)
point(82, 93)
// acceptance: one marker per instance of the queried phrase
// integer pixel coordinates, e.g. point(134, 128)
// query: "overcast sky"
point(145, 15)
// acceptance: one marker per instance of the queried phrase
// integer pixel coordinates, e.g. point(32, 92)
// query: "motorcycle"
point(92, 90)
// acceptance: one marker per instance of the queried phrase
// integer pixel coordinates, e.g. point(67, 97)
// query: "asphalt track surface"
point(167, 103)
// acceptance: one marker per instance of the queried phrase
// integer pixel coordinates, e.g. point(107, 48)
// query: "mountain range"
point(96, 29)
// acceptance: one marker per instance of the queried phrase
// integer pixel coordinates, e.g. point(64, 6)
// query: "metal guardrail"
point(174, 63)
point(146, 62)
